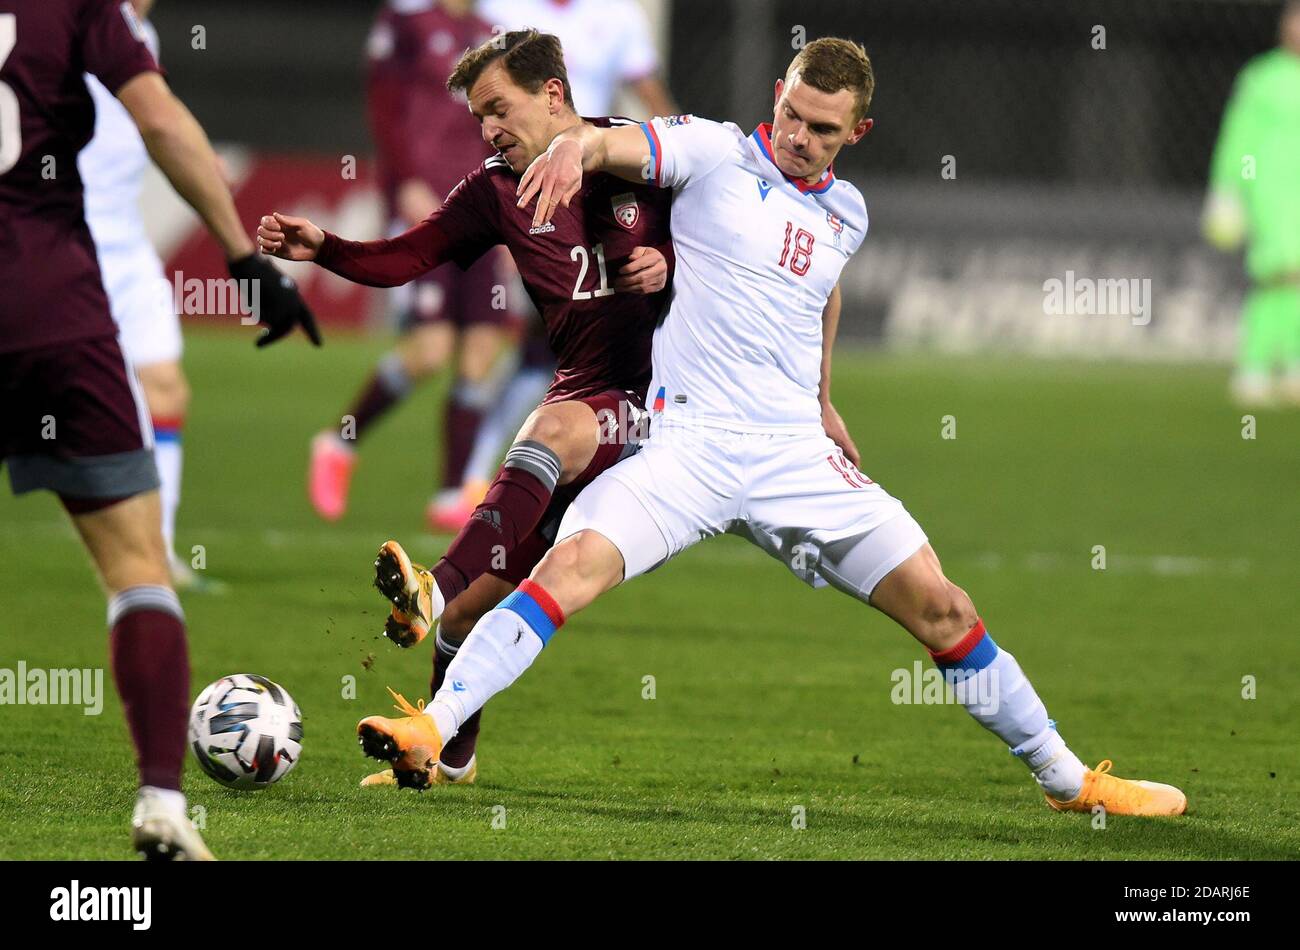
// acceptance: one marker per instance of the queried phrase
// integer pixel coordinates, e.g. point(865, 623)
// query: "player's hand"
point(839, 433)
point(646, 272)
point(554, 177)
point(273, 298)
point(289, 238)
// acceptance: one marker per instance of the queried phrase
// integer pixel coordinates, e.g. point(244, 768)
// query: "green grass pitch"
point(769, 697)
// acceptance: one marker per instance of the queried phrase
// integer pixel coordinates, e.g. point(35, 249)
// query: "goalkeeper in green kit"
point(1255, 195)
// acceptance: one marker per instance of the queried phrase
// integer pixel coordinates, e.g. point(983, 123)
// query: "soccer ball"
point(246, 731)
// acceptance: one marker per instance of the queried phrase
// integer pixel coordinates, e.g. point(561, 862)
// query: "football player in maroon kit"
point(72, 420)
point(425, 140)
point(596, 273)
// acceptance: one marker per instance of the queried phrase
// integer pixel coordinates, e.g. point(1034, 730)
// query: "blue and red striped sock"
point(989, 683)
point(505, 642)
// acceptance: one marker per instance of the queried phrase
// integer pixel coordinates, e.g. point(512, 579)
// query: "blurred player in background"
point(425, 139)
point(1255, 195)
point(71, 417)
point(607, 49)
point(112, 170)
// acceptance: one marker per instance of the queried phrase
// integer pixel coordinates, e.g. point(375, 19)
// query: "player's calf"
point(579, 569)
point(918, 597)
point(989, 683)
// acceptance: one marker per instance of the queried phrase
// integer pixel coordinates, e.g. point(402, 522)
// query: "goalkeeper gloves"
point(272, 297)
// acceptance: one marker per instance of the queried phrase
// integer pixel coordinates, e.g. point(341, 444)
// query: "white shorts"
point(140, 298)
point(795, 496)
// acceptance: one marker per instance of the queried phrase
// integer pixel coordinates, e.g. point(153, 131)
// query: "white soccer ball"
point(246, 731)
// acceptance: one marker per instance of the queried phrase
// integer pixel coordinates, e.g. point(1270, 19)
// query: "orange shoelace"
point(404, 707)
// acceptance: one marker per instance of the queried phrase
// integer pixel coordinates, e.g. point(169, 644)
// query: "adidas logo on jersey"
point(546, 228)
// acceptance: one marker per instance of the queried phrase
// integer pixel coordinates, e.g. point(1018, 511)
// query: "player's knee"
point(166, 390)
point(421, 362)
point(175, 397)
point(563, 560)
point(423, 353)
point(545, 428)
point(579, 569)
point(477, 357)
point(945, 610)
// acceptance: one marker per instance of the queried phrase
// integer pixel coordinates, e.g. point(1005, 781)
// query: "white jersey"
point(758, 255)
point(606, 42)
point(112, 169)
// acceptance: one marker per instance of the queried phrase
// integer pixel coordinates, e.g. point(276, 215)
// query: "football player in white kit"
point(112, 170)
point(744, 438)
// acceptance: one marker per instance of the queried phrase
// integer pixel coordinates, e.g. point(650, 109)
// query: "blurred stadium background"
point(1080, 135)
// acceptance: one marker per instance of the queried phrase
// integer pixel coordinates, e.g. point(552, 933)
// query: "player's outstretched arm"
point(388, 262)
point(555, 176)
point(180, 148)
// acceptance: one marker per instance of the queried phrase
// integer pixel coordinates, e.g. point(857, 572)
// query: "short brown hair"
point(831, 64)
point(530, 58)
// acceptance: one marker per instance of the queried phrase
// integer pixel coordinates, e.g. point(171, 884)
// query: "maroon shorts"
point(72, 420)
point(622, 419)
point(463, 298)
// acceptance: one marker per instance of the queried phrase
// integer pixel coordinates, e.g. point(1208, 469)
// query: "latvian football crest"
point(626, 212)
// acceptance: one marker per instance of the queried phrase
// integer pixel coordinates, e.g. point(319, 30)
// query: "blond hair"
point(830, 64)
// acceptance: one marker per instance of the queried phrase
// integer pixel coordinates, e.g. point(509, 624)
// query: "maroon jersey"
point(421, 129)
point(601, 339)
point(48, 269)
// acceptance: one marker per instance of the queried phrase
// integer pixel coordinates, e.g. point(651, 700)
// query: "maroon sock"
point(511, 510)
point(458, 434)
point(456, 753)
point(152, 671)
point(387, 386)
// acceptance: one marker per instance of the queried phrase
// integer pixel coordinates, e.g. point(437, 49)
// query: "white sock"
point(989, 683)
point(456, 774)
point(167, 453)
point(505, 642)
point(170, 798)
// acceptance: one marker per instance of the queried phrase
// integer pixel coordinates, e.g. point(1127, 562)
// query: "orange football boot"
point(416, 600)
point(1122, 796)
point(440, 777)
point(410, 744)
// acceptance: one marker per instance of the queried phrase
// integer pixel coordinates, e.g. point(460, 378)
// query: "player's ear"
point(862, 128)
point(554, 95)
point(776, 97)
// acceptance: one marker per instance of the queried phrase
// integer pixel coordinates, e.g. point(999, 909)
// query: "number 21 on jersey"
point(580, 253)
